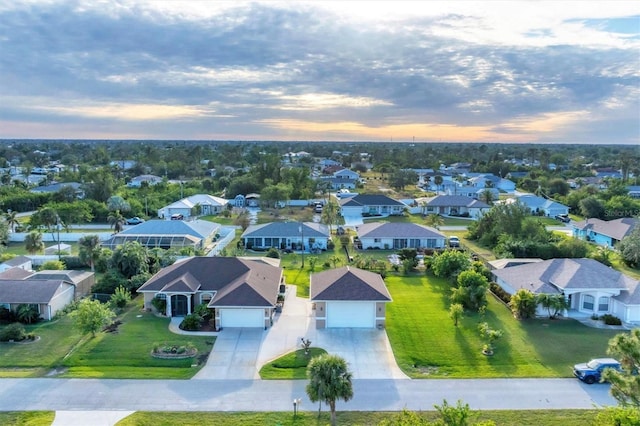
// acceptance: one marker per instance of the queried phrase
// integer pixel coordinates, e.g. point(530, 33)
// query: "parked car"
point(177, 216)
point(134, 221)
point(563, 218)
point(591, 372)
point(454, 242)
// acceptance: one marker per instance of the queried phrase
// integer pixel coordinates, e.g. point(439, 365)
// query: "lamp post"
point(296, 406)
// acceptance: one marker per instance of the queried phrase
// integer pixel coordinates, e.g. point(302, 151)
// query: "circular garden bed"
point(167, 351)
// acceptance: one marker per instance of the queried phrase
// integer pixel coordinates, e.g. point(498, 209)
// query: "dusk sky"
point(490, 71)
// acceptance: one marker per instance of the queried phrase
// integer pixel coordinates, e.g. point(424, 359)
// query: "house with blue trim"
point(602, 232)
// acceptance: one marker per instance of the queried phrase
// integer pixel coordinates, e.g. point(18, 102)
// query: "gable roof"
point(18, 261)
point(617, 229)
point(287, 229)
point(29, 291)
point(456, 201)
point(348, 283)
point(202, 199)
point(369, 200)
point(397, 230)
point(235, 281)
point(556, 275)
point(15, 273)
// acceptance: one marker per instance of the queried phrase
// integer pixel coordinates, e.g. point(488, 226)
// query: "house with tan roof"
point(242, 292)
point(602, 232)
point(349, 297)
point(588, 286)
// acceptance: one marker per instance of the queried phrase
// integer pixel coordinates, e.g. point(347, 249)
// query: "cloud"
point(470, 70)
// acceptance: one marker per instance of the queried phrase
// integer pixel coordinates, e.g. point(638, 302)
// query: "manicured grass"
point(426, 344)
point(27, 418)
point(290, 366)
point(502, 418)
point(36, 358)
point(126, 353)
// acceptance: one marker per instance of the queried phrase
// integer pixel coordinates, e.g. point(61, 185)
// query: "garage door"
point(241, 318)
point(351, 314)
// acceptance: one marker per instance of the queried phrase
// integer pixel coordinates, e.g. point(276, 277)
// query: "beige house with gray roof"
point(589, 286)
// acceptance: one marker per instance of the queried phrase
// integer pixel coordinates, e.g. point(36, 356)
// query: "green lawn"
point(35, 359)
point(426, 344)
point(290, 366)
point(27, 418)
point(310, 417)
point(126, 353)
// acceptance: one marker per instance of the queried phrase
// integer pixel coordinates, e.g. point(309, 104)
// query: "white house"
point(537, 204)
point(206, 205)
point(391, 235)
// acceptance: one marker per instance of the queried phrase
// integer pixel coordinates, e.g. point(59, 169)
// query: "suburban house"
point(370, 205)
point(589, 286)
point(74, 187)
point(602, 232)
point(308, 236)
point(389, 235)
point(150, 180)
point(456, 205)
point(47, 291)
point(473, 192)
point(349, 297)
point(242, 291)
point(47, 296)
point(539, 205)
point(488, 180)
point(22, 262)
point(341, 179)
point(195, 205)
point(198, 234)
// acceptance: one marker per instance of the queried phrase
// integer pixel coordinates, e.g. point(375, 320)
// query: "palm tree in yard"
point(89, 249)
point(329, 381)
point(33, 242)
point(12, 219)
point(330, 213)
point(434, 220)
point(438, 179)
point(116, 220)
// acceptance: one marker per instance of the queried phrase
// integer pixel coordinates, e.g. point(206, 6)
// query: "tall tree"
point(116, 220)
point(434, 220)
point(11, 217)
point(89, 250)
point(629, 248)
point(625, 384)
point(330, 213)
point(329, 381)
point(130, 259)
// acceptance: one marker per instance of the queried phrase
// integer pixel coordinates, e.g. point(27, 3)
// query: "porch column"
point(565, 311)
point(189, 296)
point(168, 309)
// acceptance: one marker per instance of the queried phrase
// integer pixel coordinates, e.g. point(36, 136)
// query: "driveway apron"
point(234, 355)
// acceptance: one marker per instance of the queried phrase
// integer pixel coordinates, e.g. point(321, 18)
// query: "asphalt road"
point(277, 395)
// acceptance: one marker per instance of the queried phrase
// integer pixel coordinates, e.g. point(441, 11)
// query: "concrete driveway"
point(240, 353)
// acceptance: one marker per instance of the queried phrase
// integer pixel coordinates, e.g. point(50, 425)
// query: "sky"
point(423, 71)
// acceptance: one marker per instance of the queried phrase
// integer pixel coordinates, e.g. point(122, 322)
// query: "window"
point(587, 302)
point(161, 296)
point(603, 304)
point(377, 240)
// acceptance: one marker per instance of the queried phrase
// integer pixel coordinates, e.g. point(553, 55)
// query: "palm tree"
point(438, 179)
point(487, 196)
point(335, 260)
point(117, 221)
point(434, 220)
point(89, 249)
point(329, 380)
point(330, 214)
point(33, 242)
point(12, 219)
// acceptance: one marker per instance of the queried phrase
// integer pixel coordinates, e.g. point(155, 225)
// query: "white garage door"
point(351, 314)
point(241, 318)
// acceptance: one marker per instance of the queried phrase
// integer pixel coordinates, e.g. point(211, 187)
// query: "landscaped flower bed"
point(167, 351)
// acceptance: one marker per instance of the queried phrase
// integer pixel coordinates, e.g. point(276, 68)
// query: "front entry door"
point(178, 305)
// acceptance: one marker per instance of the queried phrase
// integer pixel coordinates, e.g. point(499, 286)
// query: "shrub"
point(13, 332)
point(159, 304)
point(120, 298)
point(191, 322)
point(273, 253)
point(7, 315)
point(73, 262)
point(611, 319)
point(52, 265)
point(203, 312)
point(331, 245)
point(500, 293)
